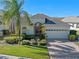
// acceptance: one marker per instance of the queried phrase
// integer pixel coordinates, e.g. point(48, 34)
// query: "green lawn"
point(24, 51)
point(77, 43)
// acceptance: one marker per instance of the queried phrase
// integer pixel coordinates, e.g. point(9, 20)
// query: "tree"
point(13, 9)
point(39, 32)
point(27, 18)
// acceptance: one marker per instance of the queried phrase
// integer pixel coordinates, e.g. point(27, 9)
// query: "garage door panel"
point(57, 34)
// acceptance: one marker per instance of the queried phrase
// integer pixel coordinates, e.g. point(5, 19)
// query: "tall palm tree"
point(12, 8)
point(27, 18)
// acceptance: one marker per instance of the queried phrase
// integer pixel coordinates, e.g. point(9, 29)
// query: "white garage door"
point(57, 34)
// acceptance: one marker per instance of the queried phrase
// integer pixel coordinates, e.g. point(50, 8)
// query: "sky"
point(54, 8)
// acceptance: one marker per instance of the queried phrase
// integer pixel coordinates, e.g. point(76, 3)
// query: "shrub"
point(11, 40)
point(34, 43)
point(25, 42)
point(16, 35)
point(43, 42)
point(42, 36)
point(6, 32)
point(28, 37)
point(1, 38)
point(72, 37)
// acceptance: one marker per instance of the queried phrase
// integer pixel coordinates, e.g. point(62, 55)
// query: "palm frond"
point(27, 17)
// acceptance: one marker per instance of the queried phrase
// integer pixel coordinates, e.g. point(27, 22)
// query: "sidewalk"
point(11, 57)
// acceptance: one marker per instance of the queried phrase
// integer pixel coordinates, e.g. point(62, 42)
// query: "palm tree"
point(27, 18)
point(13, 9)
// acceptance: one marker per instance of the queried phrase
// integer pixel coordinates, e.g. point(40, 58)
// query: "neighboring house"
point(73, 21)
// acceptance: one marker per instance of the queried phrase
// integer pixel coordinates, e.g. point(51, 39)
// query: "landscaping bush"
point(25, 42)
point(43, 42)
point(11, 40)
point(34, 43)
point(1, 38)
point(5, 32)
point(42, 36)
point(16, 35)
point(28, 37)
point(72, 37)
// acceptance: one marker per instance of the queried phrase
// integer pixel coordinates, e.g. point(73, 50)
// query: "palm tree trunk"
point(18, 27)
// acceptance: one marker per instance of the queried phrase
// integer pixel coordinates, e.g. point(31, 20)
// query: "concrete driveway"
point(62, 49)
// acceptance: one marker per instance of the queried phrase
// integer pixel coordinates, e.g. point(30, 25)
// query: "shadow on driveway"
point(59, 49)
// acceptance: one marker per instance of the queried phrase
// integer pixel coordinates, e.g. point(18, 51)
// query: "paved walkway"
point(63, 50)
point(11, 57)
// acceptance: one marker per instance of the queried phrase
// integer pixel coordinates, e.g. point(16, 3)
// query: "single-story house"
point(54, 29)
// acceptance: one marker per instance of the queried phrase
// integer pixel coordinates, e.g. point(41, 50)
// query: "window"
point(24, 30)
point(0, 22)
point(77, 25)
point(47, 21)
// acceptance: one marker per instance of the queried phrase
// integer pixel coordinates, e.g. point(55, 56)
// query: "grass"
point(77, 43)
point(24, 51)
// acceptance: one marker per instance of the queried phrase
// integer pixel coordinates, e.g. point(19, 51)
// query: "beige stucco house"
point(54, 28)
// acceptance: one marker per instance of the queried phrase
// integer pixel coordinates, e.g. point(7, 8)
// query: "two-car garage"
point(57, 31)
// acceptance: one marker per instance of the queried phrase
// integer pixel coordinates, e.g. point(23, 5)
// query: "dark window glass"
point(47, 21)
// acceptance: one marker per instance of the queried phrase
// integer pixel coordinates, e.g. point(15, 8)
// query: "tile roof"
point(42, 16)
point(72, 19)
point(57, 20)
